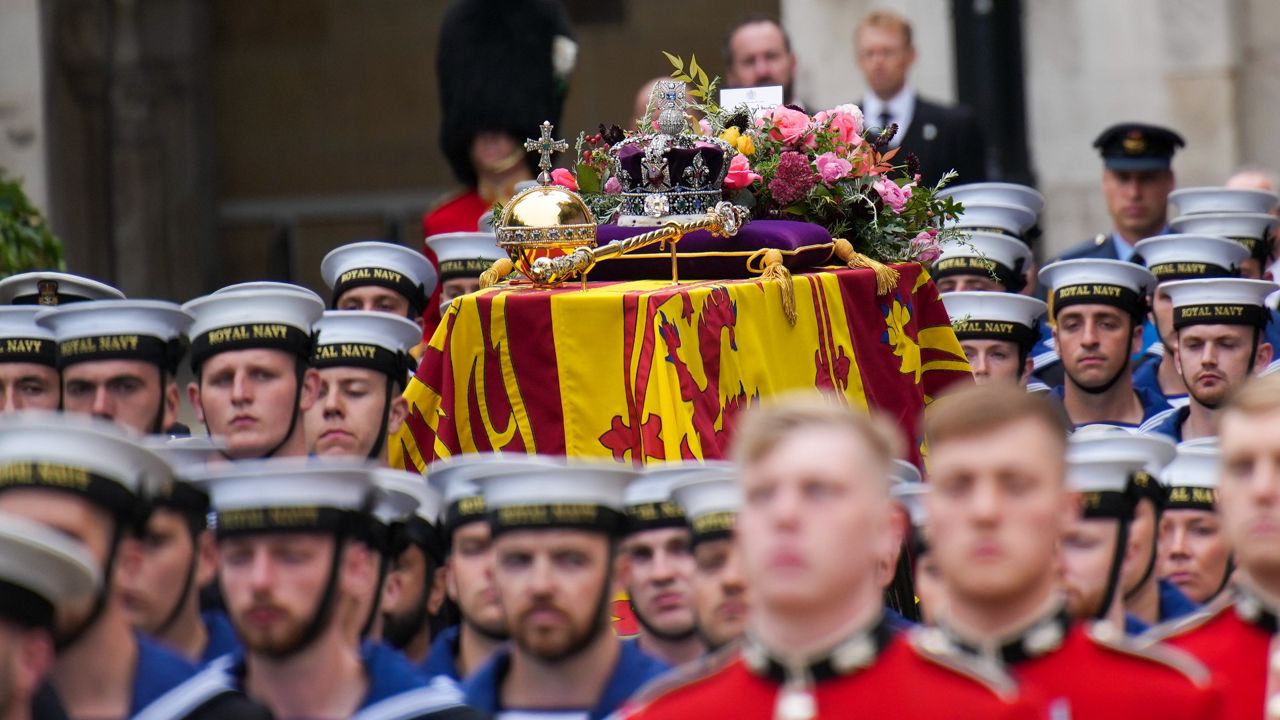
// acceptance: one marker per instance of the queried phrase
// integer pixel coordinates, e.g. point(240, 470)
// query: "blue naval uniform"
point(1147, 376)
point(633, 671)
point(166, 685)
point(1168, 423)
point(1152, 405)
point(397, 691)
point(442, 657)
point(222, 636)
point(1173, 605)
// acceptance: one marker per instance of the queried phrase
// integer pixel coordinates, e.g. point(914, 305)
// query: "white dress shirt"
point(900, 107)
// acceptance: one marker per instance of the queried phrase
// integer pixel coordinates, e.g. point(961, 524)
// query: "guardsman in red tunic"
point(999, 505)
point(815, 525)
point(1236, 634)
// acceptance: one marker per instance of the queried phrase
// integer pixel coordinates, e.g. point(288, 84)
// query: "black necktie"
point(885, 118)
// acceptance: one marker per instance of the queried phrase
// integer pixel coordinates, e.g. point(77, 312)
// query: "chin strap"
point(299, 373)
point(1100, 389)
point(324, 612)
point(1151, 563)
point(100, 599)
point(1113, 575)
point(188, 585)
point(374, 606)
point(376, 451)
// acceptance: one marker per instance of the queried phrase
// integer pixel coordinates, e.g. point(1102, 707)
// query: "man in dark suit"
point(942, 137)
point(1136, 181)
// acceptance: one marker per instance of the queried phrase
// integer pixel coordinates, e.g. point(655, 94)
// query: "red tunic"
point(902, 682)
point(1235, 649)
point(1098, 675)
point(460, 213)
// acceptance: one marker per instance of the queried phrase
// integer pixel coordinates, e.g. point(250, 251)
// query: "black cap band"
point(1098, 294)
point(423, 534)
point(362, 355)
point(1107, 505)
point(1165, 272)
point(467, 267)
point(557, 516)
point(299, 519)
point(23, 606)
point(381, 277)
point(40, 351)
point(161, 353)
point(1025, 337)
point(987, 267)
point(1192, 498)
point(712, 526)
point(1143, 485)
point(1220, 314)
point(184, 498)
point(102, 490)
point(1258, 250)
point(653, 516)
point(464, 510)
point(250, 336)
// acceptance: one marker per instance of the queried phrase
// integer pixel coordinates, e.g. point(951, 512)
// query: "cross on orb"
point(546, 147)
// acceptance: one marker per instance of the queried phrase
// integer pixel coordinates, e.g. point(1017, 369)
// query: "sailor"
point(1235, 633)
point(901, 609)
point(999, 509)
point(1096, 308)
point(1193, 548)
point(992, 253)
point(160, 584)
point(363, 362)
point(463, 256)
point(85, 478)
point(43, 574)
point(555, 535)
point(413, 592)
point(379, 277)
point(29, 378)
point(119, 360)
point(657, 565)
point(1171, 258)
point(1137, 178)
point(1219, 325)
point(721, 598)
point(997, 332)
point(813, 530)
point(250, 349)
point(1244, 215)
point(46, 287)
point(290, 571)
point(397, 499)
point(930, 592)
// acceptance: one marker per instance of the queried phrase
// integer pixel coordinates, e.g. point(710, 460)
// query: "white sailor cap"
point(1220, 301)
point(1005, 218)
point(1089, 281)
point(147, 330)
point(22, 340)
point(1102, 474)
point(399, 496)
point(711, 502)
point(268, 286)
point(995, 316)
point(187, 457)
point(277, 317)
point(41, 570)
point(456, 480)
point(996, 192)
point(362, 338)
point(289, 495)
point(465, 254)
point(999, 257)
point(71, 452)
point(1248, 229)
point(1157, 452)
point(45, 287)
point(395, 267)
point(648, 498)
point(1192, 477)
point(902, 472)
point(584, 496)
point(1197, 200)
point(1182, 257)
point(912, 497)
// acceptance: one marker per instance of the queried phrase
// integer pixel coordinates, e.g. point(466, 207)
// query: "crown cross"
point(546, 147)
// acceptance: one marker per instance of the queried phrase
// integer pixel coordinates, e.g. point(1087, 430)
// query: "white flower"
point(564, 55)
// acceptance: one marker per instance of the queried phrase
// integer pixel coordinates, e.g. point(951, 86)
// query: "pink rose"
point(846, 121)
point(612, 186)
point(925, 246)
point(791, 127)
point(740, 174)
point(564, 178)
point(894, 196)
point(704, 126)
point(832, 168)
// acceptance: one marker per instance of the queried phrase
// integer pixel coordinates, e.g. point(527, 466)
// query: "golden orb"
point(544, 221)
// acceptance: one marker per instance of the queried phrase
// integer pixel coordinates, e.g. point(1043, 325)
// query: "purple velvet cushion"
point(705, 257)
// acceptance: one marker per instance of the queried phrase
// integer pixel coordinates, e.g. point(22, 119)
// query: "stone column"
point(22, 136)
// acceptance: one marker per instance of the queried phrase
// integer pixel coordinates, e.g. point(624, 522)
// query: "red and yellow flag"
point(638, 371)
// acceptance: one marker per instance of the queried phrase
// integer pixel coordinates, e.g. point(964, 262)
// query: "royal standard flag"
point(639, 371)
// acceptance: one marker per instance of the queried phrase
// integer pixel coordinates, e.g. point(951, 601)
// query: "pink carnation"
point(740, 174)
point(788, 126)
point(925, 247)
point(846, 121)
point(832, 168)
point(564, 178)
point(892, 194)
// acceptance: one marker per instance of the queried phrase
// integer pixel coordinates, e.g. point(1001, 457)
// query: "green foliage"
point(25, 240)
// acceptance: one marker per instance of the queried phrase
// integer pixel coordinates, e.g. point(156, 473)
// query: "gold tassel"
point(500, 269)
point(886, 277)
point(774, 270)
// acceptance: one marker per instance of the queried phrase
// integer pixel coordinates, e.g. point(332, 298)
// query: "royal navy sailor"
point(463, 256)
point(1194, 555)
point(997, 332)
point(29, 378)
point(379, 277)
point(46, 287)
